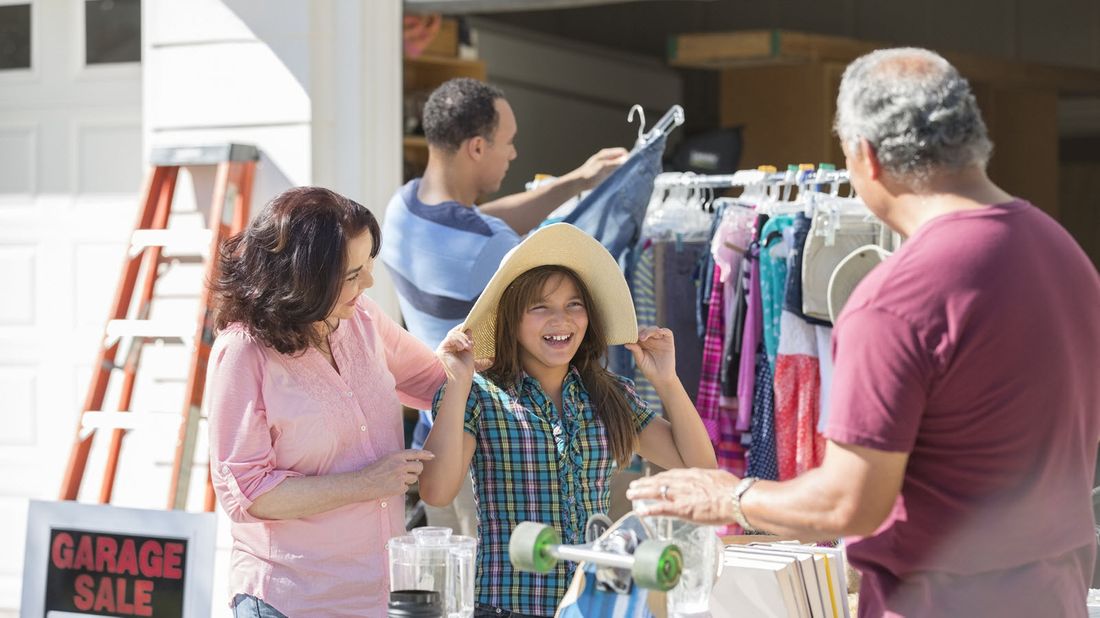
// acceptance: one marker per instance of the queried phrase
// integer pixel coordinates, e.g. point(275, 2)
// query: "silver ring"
point(664, 492)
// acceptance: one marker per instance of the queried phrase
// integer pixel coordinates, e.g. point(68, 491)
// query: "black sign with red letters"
point(104, 574)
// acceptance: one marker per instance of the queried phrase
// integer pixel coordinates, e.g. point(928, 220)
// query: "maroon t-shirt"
point(976, 349)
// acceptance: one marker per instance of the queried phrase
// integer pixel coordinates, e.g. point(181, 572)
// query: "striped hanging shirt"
point(534, 464)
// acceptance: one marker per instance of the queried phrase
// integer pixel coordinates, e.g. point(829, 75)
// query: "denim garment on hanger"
point(613, 212)
point(676, 279)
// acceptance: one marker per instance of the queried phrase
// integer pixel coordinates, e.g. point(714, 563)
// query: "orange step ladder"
point(129, 321)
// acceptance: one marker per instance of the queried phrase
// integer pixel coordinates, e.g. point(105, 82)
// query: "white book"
point(803, 587)
point(835, 573)
point(815, 573)
point(751, 587)
point(828, 599)
point(813, 586)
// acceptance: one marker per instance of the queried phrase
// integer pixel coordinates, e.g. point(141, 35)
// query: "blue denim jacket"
point(613, 212)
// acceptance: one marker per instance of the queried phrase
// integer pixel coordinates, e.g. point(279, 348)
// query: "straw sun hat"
point(559, 244)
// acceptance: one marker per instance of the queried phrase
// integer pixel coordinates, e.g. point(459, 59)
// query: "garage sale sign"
point(93, 560)
point(112, 574)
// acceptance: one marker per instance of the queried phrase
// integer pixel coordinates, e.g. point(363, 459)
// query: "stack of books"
point(1093, 603)
point(780, 580)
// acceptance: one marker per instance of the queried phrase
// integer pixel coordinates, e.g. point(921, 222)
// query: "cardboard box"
point(445, 42)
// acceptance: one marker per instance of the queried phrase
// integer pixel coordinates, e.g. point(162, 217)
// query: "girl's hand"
point(655, 354)
point(457, 354)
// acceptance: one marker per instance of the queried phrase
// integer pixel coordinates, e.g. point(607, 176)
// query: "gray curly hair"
point(915, 110)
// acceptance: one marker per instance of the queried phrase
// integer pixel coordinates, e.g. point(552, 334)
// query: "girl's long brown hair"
point(603, 389)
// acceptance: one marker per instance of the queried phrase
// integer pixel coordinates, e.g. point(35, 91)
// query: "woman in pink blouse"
point(307, 378)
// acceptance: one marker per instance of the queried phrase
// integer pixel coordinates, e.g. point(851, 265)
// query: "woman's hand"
point(393, 474)
point(655, 354)
point(457, 355)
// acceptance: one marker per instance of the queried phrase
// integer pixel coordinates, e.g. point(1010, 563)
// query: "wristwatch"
point(739, 491)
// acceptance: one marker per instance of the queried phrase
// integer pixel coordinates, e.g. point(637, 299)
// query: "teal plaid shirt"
point(534, 464)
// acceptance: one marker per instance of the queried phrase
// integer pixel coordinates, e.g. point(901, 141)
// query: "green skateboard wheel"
point(529, 547)
point(657, 565)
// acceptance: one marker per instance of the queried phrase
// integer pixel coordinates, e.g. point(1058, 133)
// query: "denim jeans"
point(676, 277)
point(488, 611)
point(613, 212)
point(248, 606)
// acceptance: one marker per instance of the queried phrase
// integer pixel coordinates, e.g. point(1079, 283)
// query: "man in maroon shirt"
point(965, 407)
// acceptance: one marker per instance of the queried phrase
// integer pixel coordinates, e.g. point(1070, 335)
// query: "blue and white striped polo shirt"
point(441, 257)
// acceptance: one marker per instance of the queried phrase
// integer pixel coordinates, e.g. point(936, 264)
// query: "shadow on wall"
point(284, 26)
point(269, 182)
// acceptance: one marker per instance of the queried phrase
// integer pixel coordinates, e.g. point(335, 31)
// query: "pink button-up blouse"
point(274, 416)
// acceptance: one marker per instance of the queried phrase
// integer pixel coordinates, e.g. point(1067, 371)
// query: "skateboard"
point(617, 567)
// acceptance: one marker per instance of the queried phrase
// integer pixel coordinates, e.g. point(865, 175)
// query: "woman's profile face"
point(358, 276)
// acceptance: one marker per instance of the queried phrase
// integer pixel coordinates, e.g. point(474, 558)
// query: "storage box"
point(445, 42)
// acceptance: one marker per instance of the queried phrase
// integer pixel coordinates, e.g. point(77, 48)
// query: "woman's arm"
point(452, 446)
point(681, 440)
point(303, 496)
point(248, 481)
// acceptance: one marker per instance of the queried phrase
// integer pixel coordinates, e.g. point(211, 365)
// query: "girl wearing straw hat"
point(544, 424)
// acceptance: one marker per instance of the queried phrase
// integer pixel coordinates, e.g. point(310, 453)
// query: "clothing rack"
point(746, 178)
point(775, 194)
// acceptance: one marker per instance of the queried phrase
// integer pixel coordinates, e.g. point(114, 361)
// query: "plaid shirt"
point(532, 464)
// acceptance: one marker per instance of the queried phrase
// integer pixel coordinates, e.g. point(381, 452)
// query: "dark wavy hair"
point(286, 270)
point(458, 110)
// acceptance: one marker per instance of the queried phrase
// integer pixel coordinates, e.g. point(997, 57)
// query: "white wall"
point(70, 168)
point(314, 85)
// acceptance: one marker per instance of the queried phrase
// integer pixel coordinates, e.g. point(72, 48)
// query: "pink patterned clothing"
point(799, 446)
point(275, 416)
point(710, 386)
point(720, 418)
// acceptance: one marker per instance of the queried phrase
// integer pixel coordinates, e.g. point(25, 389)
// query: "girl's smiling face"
point(551, 330)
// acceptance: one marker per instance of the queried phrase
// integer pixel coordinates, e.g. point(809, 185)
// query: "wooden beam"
point(781, 47)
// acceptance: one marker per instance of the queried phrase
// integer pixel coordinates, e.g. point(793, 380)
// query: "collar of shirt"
point(528, 387)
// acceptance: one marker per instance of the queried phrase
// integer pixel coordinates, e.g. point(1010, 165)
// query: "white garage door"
point(70, 172)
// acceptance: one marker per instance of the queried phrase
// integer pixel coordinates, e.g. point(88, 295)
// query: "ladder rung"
point(197, 241)
point(209, 154)
point(177, 258)
point(95, 419)
point(151, 329)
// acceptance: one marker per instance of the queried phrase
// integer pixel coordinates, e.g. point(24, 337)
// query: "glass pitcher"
point(434, 559)
point(702, 549)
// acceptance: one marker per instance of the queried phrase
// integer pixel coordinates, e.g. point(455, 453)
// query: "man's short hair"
point(916, 111)
point(458, 110)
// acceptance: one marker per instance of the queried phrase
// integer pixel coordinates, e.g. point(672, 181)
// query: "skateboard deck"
point(608, 592)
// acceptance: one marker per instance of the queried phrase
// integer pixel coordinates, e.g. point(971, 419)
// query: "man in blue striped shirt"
point(440, 248)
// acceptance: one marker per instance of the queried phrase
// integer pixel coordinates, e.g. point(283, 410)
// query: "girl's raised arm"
point(452, 446)
point(681, 441)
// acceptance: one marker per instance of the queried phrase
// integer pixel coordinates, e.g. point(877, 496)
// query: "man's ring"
point(664, 492)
